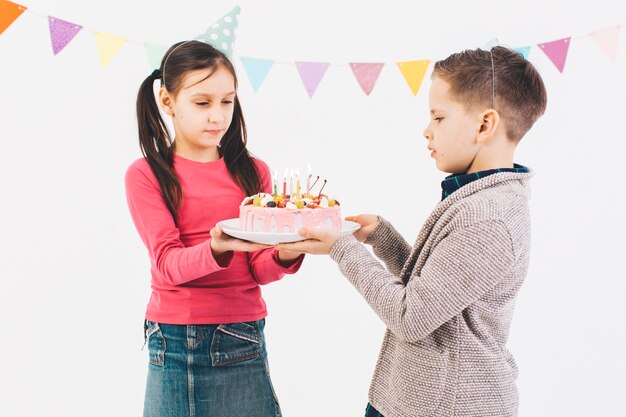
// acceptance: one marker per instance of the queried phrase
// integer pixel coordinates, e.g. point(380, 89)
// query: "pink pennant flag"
point(61, 33)
point(556, 51)
point(311, 74)
point(607, 40)
point(366, 74)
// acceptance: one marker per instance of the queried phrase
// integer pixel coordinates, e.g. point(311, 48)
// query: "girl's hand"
point(368, 223)
point(222, 243)
point(318, 242)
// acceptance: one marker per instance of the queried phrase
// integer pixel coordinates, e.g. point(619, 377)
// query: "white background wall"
point(75, 276)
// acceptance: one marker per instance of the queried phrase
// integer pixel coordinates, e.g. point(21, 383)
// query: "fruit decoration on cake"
point(287, 212)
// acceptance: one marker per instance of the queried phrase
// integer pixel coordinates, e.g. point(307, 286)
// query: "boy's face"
point(452, 130)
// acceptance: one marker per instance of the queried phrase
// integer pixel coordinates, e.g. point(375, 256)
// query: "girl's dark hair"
point(156, 143)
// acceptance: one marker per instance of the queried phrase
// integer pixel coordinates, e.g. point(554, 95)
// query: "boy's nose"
point(427, 134)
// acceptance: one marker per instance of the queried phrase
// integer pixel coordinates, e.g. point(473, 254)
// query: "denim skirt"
point(208, 371)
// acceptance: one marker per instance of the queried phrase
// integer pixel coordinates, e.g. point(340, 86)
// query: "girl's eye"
point(227, 102)
point(202, 103)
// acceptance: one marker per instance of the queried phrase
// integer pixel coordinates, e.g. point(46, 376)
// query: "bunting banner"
point(366, 74)
point(8, 13)
point(311, 74)
point(61, 33)
point(221, 34)
point(557, 52)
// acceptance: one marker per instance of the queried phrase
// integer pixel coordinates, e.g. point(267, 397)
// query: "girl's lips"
point(215, 132)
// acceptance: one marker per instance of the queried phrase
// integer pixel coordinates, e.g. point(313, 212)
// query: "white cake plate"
point(231, 227)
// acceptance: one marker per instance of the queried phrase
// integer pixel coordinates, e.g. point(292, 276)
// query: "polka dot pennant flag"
point(557, 51)
point(9, 11)
point(413, 73)
point(366, 74)
point(221, 34)
point(61, 33)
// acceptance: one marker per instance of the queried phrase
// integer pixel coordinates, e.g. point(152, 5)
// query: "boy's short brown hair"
point(520, 95)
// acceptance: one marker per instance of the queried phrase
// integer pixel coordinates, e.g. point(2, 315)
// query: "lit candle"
point(308, 179)
point(291, 183)
point(298, 182)
point(285, 184)
point(275, 185)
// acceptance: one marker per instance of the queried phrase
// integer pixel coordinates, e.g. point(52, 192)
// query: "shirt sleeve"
point(175, 263)
point(462, 268)
point(264, 264)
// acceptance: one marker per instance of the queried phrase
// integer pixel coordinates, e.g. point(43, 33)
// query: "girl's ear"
point(490, 120)
point(165, 101)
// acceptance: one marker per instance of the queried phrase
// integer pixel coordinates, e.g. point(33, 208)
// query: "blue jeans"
point(208, 371)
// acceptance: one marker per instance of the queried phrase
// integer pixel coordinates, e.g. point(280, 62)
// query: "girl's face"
point(202, 112)
point(452, 131)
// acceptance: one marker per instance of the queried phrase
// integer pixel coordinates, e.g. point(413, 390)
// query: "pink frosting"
point(280, 220)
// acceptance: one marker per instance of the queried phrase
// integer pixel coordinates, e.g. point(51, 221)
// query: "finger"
point(312, 233)
point(301, 247)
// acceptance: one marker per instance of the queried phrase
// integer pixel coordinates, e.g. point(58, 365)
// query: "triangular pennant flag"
point(257, 69)
point(556, 51)
point(366, 74)
point(155, 54)
point(8, 13)
point(311, 74)
point(607, 40)
point(61, 33)
point(491, 43)
point(108, 46)
point(221, 34)
point(413, 72)
point(523, 51)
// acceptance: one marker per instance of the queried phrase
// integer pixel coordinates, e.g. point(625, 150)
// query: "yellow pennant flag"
point(108, 46)
point(413, 73)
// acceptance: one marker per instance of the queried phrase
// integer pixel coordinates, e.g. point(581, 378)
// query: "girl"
point(205, 318)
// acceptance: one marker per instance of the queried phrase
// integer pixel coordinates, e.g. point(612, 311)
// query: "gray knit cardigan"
point(447, 302)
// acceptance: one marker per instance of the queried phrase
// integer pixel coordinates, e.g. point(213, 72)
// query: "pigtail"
point(156, 144)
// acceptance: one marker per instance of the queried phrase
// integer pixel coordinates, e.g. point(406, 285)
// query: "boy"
point(447, 302)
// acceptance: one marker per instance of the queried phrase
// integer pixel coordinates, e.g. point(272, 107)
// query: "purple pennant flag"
point(311, 74)
point(61, 33)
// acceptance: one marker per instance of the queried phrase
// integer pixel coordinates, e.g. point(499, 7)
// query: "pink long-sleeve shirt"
point(188, 284)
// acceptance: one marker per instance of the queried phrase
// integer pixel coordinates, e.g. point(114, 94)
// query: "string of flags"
point(221, 34)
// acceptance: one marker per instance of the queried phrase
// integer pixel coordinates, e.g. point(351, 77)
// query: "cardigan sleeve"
point(389, 246)
point(462, 267)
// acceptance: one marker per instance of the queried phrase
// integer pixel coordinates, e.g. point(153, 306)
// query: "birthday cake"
point(278, 213)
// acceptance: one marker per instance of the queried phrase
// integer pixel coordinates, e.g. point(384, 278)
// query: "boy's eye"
point(438, 119)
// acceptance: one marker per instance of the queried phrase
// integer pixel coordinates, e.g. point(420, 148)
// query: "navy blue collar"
point(455, 181)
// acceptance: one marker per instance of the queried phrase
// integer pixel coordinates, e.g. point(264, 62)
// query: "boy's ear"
point(165, 101)
point(490, 120)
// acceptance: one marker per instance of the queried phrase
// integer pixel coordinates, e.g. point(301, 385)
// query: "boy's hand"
point(318, 242)
point(368, 223)
point(222, 243)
